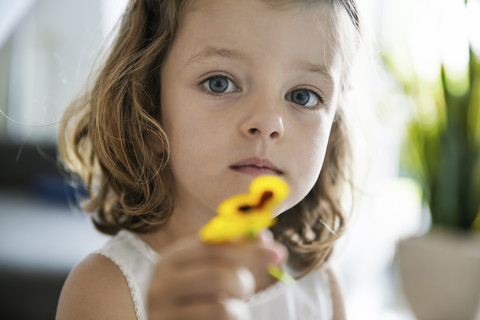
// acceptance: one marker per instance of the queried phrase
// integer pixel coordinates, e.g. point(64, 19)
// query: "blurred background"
point(417, 122)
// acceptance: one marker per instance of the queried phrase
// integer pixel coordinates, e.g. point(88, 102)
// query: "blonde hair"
point(106, 138)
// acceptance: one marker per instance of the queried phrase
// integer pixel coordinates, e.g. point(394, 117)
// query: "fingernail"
point(265, 236)
point(278, 255)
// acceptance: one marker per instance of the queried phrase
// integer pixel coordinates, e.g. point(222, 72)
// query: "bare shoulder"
point(95, 289)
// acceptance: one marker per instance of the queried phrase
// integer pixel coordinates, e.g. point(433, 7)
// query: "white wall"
point(52, 49)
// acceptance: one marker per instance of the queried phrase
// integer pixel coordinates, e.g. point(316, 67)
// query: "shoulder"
point(95, 289)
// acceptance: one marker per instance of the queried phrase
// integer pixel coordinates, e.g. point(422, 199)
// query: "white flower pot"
point(440, 275)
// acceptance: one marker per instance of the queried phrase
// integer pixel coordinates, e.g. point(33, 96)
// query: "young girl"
point(196, 98)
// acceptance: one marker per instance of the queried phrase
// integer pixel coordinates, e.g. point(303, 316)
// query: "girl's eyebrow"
point(217, 52)
point(212, 52)
point(310, 67)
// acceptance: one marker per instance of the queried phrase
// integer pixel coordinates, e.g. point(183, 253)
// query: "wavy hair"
point(107, 134)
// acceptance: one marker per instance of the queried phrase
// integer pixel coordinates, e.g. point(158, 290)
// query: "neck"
point(183, 223)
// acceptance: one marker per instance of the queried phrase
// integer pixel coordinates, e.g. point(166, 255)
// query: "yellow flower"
point(246, 214)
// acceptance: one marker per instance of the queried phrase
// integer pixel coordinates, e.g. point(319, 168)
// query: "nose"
point(263, 121)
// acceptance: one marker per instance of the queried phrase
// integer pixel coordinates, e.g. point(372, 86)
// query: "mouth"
point(256, 167)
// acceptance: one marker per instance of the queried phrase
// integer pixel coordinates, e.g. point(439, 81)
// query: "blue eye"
point(218, 85)
point(304, 97)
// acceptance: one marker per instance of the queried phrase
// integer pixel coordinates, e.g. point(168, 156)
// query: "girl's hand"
point(195, 280)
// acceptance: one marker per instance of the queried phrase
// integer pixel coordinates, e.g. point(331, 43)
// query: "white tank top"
point(308, 299)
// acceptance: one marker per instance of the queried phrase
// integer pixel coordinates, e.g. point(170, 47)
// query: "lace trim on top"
point(127, 237)
point(141, 245)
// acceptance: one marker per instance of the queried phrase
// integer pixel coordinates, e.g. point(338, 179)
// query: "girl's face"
point(248, 89)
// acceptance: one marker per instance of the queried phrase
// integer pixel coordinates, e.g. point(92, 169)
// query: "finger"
point(228, 309)
point(211, 282)
point(198, 296)
point(265, 237)
point(278, 250)
point(195, 251)
point(191, 250)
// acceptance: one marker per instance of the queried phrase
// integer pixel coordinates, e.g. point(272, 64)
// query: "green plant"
point(442, 146)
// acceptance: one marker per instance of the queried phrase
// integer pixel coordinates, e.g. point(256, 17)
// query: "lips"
point(256, 167)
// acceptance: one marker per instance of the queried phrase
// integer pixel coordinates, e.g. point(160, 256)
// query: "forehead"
point(310, 9)
point(288, 28)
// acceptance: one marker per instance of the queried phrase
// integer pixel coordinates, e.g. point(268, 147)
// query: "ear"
point(157, 147)
point(159, 144)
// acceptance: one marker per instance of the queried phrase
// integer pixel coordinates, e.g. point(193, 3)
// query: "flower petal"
point(247, 214)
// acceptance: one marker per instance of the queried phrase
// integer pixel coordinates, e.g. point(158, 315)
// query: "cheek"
point(309, 167)
point(318, 150)
point(195, 138)
point(315, 146)
point(315, 158)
